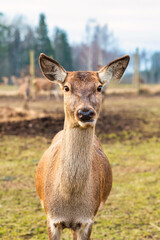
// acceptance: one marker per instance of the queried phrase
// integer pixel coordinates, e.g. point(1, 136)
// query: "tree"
point(4, 47)
point(43, 43)
point(100, 43)
point(144, 65)
point(79, 56)
point(28, 43)
point(62, 49)
point(155, 67)
point(15, 52)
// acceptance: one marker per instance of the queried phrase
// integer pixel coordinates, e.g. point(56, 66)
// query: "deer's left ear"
point(113, 71)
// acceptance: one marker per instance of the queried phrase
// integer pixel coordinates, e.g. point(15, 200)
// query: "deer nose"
point(85, 115)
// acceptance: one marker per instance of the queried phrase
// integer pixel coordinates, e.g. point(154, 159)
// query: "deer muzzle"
point(86, 117)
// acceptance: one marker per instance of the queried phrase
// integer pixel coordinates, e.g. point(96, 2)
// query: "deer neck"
point(75, 158)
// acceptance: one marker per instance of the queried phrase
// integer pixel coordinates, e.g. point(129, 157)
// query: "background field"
point(129, 128)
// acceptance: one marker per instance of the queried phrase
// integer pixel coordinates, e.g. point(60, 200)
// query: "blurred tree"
point(144, 66)
point(4, 47)
point(101, 45)
point(155, 67)
point(79, 56)
point(15, 52)
point(62, 49)
point(43, 43)
point(28, 43)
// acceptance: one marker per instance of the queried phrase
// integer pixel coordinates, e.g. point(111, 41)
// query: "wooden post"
point(136, 71)
point(32, 72)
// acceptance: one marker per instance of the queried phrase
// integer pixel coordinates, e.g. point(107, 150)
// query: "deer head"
point(82, 90)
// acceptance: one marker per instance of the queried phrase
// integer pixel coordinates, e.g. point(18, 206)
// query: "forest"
point(100, 46)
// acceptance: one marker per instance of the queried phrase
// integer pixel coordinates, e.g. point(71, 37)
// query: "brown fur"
point(41, 84)
point(17, 81)
point(24, 89)
point(74, 176)
point(5, 80)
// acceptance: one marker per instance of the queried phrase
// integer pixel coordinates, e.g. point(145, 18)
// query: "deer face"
point(82, 98)
point(82, 90)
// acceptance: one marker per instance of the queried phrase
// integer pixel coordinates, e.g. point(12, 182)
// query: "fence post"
point(32, 72)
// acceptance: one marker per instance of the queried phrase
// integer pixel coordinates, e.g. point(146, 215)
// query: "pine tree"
point(4, 47)
point(43, 43)
point(28, 44)
point(15, 53)
point(62, 49)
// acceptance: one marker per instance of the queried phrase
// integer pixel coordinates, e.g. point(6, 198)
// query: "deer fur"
point(24, 89)
point(40, 84)
point(17, 81)
point(74, 177)
point(5, 80)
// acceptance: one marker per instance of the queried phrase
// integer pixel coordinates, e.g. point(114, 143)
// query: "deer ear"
point(51, 69)
point(113, 71)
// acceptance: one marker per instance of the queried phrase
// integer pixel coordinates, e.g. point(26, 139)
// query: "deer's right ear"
point(51, 69)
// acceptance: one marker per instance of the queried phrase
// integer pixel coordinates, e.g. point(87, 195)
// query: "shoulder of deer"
point(57, 137)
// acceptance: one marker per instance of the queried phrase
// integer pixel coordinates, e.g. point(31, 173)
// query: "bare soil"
point(120, 116)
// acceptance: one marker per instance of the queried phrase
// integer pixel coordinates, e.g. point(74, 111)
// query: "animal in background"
point(17, 81)
point(24, 89)
point(40, 84)
point(5, 80)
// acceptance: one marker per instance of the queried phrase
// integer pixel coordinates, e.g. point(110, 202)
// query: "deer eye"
point(66, 88)
point(99, 88)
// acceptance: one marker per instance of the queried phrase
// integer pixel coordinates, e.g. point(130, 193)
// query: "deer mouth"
point(87, 123)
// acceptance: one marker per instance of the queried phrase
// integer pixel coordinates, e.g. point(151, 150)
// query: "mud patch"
point(111, 124)
point(45, 126)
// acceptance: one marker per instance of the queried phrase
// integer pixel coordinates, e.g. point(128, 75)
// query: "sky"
point(133, 23)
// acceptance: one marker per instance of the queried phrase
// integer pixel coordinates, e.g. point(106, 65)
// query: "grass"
point(8, 88)
point(132, 211)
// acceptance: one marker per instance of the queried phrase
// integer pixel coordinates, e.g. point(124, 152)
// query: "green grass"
point(8, 88)
point(132, 211)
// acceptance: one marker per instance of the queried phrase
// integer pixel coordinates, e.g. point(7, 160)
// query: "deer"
point(41, 84)
point(24, 89)
point(74, 177)
point(5, 80)
point(17, 81)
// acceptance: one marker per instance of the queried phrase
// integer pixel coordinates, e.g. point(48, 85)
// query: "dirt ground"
point(124, 117)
